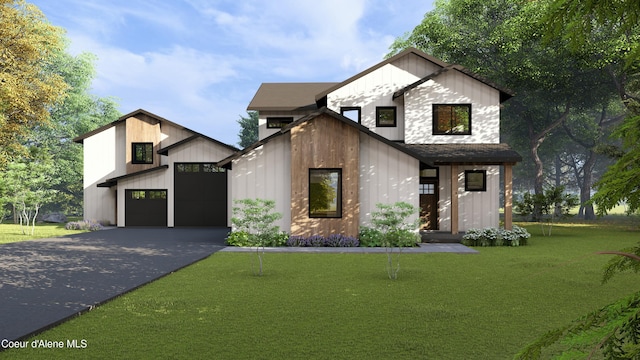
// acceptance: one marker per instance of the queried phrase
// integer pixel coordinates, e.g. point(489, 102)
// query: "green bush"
point(238, 238)
point(370, 237)
point(496, 237)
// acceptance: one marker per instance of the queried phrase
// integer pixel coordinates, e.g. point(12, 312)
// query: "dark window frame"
point(473, 187)
point(352, 108)
point(146, 153)
point(278, 122)
point(435, 130)
point(395, 116)
point(338, 211)
point(148, 194)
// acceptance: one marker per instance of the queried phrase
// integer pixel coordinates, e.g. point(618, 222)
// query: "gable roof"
point(313, 115)
point(377, 66)
point(123, 118)
point(114, 181)
point(504, 94)
point(287, 96)
point(431, 154)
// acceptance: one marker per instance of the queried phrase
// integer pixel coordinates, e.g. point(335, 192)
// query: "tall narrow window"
point(385, 116)
point(351, 112)
point(452, 119)
point(142, 153)
point(325, 193)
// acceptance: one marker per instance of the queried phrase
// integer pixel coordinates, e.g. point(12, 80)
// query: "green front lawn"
point(12, 232)
point(343, 306)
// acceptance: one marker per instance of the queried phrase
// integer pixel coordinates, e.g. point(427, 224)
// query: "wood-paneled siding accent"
point(387, 175)
point(142, 129)
point(324, 142)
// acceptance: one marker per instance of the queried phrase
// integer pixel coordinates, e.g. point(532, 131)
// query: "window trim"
point(468, 187)
point(278, 122)
point(134, 159)
point(434, 121)
point(352, 108)
point(395, 116)
point(146, 194)
point(338, 214)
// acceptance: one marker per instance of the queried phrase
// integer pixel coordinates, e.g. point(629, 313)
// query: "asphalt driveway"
point(44, 282)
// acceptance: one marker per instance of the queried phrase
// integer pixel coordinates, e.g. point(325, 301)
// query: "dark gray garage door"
point(200, 195)
point(146, 207)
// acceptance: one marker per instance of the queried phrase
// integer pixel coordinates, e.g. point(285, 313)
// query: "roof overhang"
point(114, 181)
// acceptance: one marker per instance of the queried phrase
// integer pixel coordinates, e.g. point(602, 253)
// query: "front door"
point(428, 204)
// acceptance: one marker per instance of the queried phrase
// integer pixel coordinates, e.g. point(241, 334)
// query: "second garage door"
point(200, 195)
point(146, 208)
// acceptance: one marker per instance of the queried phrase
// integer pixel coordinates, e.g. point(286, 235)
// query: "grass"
point(343, 306)
point(12, 232)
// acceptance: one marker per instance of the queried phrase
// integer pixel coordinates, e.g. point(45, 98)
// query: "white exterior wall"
point(377, 88)
point(387, 175)
point(265, 173)
point(156, 180)
point(263, 132)
point(476, 209)
point(101, 161)
point(452, 87)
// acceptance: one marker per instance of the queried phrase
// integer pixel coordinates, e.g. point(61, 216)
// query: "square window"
point(475, 180)
point(452, 119)
point(278, 122)
point(142, 153)
point(325, 193)
point(351, 112)
point(385, 116)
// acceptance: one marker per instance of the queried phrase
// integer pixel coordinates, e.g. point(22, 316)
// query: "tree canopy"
point(29, 89)
point(248, 129)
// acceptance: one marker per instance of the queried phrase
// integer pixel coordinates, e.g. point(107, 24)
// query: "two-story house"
point(411, 128)
point(144, 170)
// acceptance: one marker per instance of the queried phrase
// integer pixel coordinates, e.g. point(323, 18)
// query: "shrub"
point(238, 238)
point(334, 240)
point(370, 237)
point(89, 225)
point(496, 237)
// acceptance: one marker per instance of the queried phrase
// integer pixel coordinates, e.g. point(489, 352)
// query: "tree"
point(79, 113)
point(28, 45)
point(500, 39)
point(28, 185)
point(248, 129)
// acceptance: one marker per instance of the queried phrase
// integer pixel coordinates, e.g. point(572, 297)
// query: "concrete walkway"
point(45, 282)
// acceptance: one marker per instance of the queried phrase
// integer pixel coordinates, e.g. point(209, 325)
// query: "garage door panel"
point(200, 195)
point(147, 207)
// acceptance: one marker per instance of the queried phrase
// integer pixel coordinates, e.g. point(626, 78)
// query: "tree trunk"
point(585, 188)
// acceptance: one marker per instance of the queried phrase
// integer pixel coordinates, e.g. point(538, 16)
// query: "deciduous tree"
point(28, 46)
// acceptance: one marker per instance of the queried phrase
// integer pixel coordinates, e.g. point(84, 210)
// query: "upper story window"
point(351, 112)
point(142, 153)
point(452, 119)
point(278, 122)
point(385, 116)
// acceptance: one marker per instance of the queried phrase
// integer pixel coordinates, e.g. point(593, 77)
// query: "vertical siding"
point(263, 132)
point(265, 173)
point(100, 163)
point(377, 88)
point(476, 209)
point(324, 142)
point(452, 87)
point(157, 180)
point(386, 176)
point(139, 130)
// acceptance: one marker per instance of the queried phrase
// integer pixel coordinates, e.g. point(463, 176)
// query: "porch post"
point(454, 199)
point(508, 197)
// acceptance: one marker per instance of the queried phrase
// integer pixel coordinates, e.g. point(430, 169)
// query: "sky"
point(198, 63)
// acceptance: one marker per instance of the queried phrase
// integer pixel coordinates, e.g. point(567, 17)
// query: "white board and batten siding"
point(265, 173)
point(387, 176)
point(156, 180)
point(476, 209)
point(103, 160)
point(376, 89)
point(452, 87)
point(264, 132)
